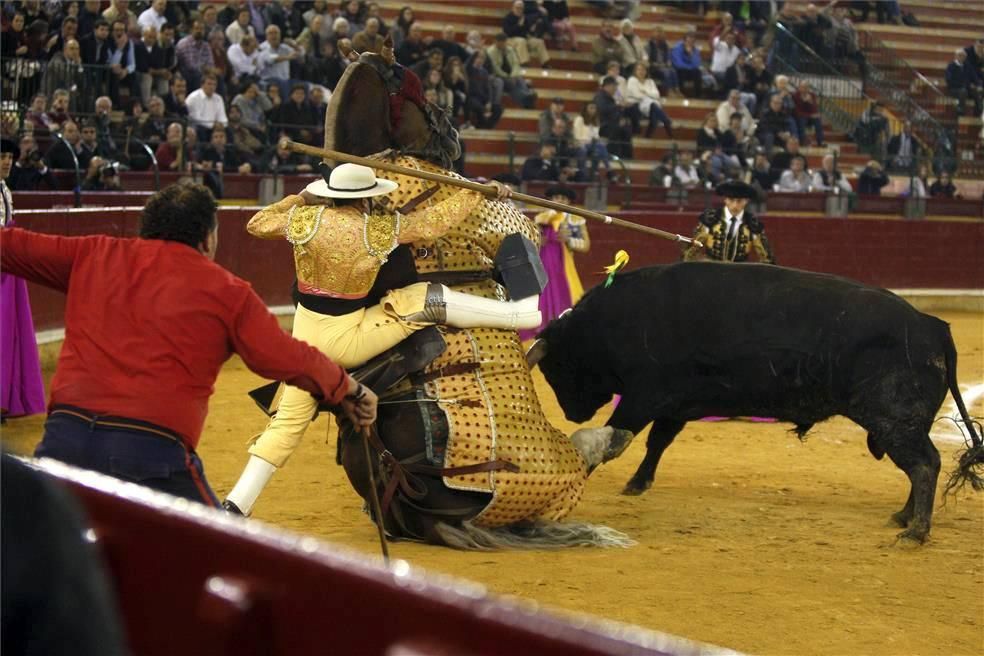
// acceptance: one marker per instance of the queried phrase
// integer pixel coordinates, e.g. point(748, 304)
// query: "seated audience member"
point(206, 108)
point(761, 176)
point(65, 71)
point(571, 155)
point(872, 179)
point(242, 138)
point(615, 126)
point(733, 105)
point(174, 101)
point(443, 97)
point(606, 48)
point(171, 152)
point(296, 116)
point(795, 179)
point(903, 149)
point(154, 129)
point(101, 176)
point(549, 115)
point(449, 46)
point(275, 59)
point(872, 129)
point(942, 188)
point(286, 16)
point(728, 26)
point(36, 119)
point(354, 11)
point(718, 164)
point(642, 95)
point(724, 54)
point(505, 65)
point(413, 50)
point(686, 60)
point(194, 55)
point(433, 61)
point(215, 159)
point(30, 172)
point(240, 27)
point(483, 106)
point(775, 124)
point(686, 173)
point(587, 135)
point(369, 39)
point(244, 59)
point(963, 83)
point(543, 166)
point(401, 27)
point(919, 186)
point(660, 63)
point(254, 107)
point(829, 179)
point(60, 157)
point(734, 141)
point(327, 68)
point(736, 79)
point(758, 80)
point(525, 32)
point(283, 161)
point(633, 48)
point(807, 113)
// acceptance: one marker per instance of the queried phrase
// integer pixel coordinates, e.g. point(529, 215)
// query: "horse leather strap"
point(399, 474)
point(412, 204)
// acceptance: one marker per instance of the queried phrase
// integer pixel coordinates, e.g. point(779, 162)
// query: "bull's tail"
point(540, 535)
point(970, 462)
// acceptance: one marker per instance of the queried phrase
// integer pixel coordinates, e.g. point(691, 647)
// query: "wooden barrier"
point(193, 580)
point(883, 252)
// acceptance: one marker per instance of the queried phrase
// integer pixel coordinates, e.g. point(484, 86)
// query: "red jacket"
point(148, 324)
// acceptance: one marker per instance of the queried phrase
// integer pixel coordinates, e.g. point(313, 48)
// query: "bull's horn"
point(536, 353)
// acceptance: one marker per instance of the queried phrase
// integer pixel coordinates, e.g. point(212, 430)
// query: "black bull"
point(690, 340)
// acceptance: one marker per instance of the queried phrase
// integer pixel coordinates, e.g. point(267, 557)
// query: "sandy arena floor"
point(748, 539)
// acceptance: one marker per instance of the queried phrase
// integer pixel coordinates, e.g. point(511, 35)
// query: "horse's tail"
point(970, 463)
point(539, 535)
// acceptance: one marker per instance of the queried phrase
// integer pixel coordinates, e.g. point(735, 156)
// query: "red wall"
point(887, 253)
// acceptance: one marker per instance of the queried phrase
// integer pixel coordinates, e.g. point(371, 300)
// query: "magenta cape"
point(21, 387)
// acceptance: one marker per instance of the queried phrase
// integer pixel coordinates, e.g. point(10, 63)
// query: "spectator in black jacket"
point(483, 108)
point(872, 179)
point(942, 188)
point(60, 157)
point(284, 161)
point(903, 149)
point(412, 50)
point(963, 83)
point(296, 117)
point(174, 101)
point(30, 171)
point(614, 124)
point(543, 166)
point(153, 129)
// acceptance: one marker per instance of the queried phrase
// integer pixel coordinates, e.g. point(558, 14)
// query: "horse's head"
point(377, 106)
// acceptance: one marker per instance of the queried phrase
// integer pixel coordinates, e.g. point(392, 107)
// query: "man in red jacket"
point(148, 324)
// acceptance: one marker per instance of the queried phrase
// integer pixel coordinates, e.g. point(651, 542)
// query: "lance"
point(488, 190)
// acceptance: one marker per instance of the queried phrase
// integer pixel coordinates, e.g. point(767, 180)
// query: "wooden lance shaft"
point(488, 190)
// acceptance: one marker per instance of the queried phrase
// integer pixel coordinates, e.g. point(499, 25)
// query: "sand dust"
point(748, 539)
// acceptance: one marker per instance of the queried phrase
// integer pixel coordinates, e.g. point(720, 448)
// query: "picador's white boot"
point(598, 445)
point(250, 484)
point(466, 311)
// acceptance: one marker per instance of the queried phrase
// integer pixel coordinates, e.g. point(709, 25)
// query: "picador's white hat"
point(351, 181)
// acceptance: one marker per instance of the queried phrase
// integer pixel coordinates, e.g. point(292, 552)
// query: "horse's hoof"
point(618, 443)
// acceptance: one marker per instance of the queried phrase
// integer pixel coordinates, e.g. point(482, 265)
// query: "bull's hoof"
point(901, 519)
point(634, 488)
point(912, 537)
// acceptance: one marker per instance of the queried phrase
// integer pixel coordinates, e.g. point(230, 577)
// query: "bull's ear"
point(536, 353)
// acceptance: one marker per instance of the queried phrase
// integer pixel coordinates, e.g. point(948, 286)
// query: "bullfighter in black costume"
point(728, 233)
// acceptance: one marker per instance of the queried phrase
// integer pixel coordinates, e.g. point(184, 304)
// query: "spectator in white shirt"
point(241, 26)
point(796, 178)
point(642, 94)
point(828, 178)
point(153, 16)
point(275, 59)
point(725, 52)
point(206, 109)
point(685, 173)
point(734, 105)
point(244, 57)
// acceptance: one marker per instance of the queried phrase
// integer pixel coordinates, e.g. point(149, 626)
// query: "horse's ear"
point(536, 353)
point(387, 50)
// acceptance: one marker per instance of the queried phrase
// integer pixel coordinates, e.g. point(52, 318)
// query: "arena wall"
point(892, 253)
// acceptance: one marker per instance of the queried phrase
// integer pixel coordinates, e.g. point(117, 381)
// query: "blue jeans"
point(129, 454)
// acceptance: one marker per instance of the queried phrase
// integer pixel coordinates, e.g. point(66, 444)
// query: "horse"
point(463, 455)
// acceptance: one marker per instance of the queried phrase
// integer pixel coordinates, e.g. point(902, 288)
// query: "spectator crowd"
point(210, 87)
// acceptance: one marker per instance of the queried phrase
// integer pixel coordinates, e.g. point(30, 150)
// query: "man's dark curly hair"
point(182, 212)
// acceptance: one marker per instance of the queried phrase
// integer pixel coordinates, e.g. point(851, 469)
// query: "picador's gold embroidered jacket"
point(712, 232)
point(338, 250)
